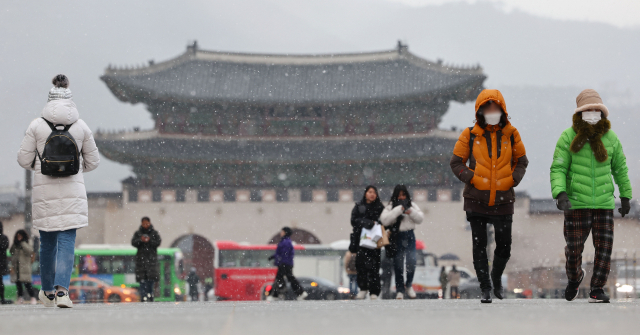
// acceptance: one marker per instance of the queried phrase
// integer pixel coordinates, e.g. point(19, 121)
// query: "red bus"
point(241, 271)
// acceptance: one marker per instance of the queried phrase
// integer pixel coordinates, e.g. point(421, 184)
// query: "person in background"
point(4, 245)
point(147, 240)
point(365, 214)
point(60, 205)
point(402, 216)
point(443, 281)
point(497, 163)
point(283, 259)
point(208, 286)
point(352, 272)
point(587, 160)
point(454, 281)
point(21, 252)
point(193, 280)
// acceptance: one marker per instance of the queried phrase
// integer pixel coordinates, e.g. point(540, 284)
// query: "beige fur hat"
point(590, 99)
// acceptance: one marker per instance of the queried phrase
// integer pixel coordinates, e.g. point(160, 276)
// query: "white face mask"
point(493, 118)
point(591, 117)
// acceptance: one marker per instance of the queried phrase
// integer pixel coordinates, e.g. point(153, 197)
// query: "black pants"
point(368, 266)
point(193, 292)
point(146, 290)
point(1, 290)
point(285, 270)
point(27, 286)
point(502, 226)
point(454, 292)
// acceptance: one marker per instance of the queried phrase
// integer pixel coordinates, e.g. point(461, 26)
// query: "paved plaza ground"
point(459, 317)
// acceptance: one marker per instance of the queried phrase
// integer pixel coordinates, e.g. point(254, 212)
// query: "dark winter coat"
point(193, 280)
point(147, 255)
point(4, 245)
point(363, 215)
point(284, 252)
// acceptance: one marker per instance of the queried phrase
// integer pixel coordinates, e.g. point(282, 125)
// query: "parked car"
point(87, 289)
point(470, 289)
point(317, 288)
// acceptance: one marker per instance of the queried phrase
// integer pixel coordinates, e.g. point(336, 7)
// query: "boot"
point(482, 270)
point(499, 264)
point(486, 296)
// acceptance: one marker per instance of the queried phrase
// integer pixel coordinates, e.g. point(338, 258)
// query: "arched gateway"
point(198, 252)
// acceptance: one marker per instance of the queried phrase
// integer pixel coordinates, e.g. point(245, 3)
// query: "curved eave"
point(460, 92)
point(277, 151)
point(463, 80)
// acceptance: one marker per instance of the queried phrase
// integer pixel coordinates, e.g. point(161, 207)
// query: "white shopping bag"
point(369, 237)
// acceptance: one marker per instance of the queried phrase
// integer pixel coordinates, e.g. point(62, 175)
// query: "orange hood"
point(487, 95)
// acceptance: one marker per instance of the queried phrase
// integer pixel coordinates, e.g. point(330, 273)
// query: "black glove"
point(562, 201)
point(626, 206)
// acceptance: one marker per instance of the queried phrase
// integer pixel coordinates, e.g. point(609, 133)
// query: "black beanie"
point(287, 231)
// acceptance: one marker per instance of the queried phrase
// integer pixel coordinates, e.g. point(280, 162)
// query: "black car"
point(316, 288)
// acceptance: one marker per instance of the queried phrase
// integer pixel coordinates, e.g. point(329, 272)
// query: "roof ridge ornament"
point(402, 48)
point(192, 48)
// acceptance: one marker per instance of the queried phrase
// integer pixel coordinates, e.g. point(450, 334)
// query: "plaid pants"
point(577, 225)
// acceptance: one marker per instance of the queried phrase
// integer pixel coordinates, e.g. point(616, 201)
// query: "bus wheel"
point(114, 298)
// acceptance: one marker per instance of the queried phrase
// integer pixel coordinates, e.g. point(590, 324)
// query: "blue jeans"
point(56, 258)
point(353, 284)
point(406, 246)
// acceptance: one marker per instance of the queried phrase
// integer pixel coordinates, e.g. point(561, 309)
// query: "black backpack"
point(60, 157)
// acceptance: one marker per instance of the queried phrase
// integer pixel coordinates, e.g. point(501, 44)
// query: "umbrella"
point(449, 257)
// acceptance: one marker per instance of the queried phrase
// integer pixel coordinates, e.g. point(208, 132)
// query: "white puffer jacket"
point(409, 221)
point(59, 203)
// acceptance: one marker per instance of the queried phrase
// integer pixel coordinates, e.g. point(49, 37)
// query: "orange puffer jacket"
point(498, 162)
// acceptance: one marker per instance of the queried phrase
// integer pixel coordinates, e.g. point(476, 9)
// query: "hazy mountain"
point(540, 64)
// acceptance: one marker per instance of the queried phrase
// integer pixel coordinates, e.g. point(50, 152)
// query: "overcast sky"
point(621, 13)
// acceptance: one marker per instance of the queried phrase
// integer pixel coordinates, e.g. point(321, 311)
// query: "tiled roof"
point(205, 76)
point(274, 150)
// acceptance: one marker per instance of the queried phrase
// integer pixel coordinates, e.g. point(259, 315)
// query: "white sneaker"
point(362, 294)
point(411, 293)
point(303, 296)
point(399, 296)
point(20, 301)
point(34, 301)
point(272, 298)
point(63, 301)
point(373, 297)
point(45, 300)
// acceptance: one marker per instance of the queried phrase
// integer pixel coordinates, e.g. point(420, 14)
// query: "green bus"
point(115, 265)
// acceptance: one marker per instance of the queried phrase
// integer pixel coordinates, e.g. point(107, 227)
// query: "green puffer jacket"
point(588, 183)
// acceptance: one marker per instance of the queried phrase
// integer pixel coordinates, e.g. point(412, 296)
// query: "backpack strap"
point(472, 138)
point(53, 127)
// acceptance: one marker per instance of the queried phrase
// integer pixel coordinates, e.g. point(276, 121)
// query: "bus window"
point(89, 265)
point(245, 258)
point(107, 264)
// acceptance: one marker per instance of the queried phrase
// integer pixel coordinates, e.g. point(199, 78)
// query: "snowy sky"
point(621, 13)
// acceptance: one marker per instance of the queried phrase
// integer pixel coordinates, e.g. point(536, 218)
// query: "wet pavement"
point(460, 317)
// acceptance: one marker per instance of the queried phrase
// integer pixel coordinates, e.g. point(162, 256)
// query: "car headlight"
point(177, 290)
point(625, 289)
point(343, 290)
